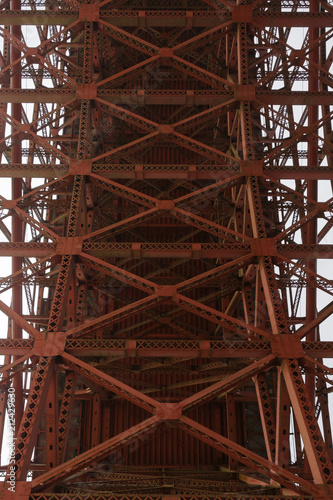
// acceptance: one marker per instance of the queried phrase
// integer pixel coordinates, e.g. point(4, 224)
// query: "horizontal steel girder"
point(140, 172)
point(160, 250)
point(167, 348)
point(166, 97)
point(171, 18)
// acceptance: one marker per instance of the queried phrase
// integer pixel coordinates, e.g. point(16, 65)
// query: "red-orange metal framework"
point(165, 223)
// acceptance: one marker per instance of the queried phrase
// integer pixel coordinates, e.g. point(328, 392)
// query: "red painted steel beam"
point(169, 18)
point(301, 399)
point(246, 457)
point(17, 226)
point(139, 496)
point(110, 383)
point(51, 422)
point(190, 172)
point(29, 424)
point(312, 230)
point(66, 408)
point(226, 384)
point(266, 414)
point(167, 97)
point(167, 348)
point(97, 453)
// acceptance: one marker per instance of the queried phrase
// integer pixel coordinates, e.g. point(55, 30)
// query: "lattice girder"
point(167, 230)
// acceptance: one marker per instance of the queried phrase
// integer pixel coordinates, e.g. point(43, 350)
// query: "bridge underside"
point(167, 212)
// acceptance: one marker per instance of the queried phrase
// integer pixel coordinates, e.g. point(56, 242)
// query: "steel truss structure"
point(166, 222)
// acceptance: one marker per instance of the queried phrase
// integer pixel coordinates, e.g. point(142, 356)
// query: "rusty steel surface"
point(166, 206)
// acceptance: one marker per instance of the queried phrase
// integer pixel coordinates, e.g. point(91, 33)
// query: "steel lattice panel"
point(167, 225)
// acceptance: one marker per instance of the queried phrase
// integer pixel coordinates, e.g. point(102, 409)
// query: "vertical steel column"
point(311, 235)
point(17, 226)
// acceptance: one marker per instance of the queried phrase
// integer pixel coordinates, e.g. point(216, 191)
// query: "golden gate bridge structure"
point(167, 209)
